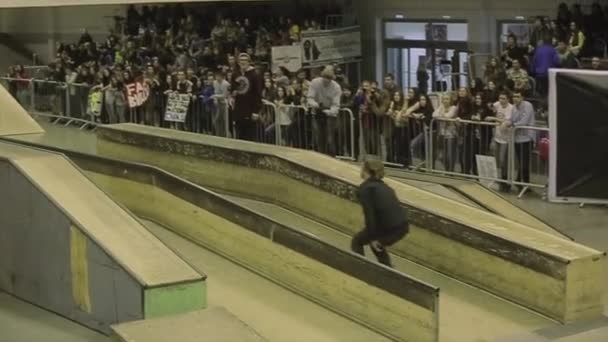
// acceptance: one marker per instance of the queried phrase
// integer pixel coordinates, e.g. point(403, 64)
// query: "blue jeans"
point(449, 153)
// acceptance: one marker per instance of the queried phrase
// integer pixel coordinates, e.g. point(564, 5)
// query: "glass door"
point(418, 70)
point(452, 69)
point(426, 54)
point(410, 66)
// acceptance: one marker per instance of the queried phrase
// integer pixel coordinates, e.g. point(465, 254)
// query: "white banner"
point(288, 56)
point(177, 107)
point(327, 46)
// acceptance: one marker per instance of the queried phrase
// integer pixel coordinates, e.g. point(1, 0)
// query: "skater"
point(385, 219)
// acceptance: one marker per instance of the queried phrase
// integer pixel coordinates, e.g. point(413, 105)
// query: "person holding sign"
point(385, 219)
point(247, 95)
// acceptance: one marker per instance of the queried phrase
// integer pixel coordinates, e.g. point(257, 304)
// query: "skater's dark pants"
point(388, 238)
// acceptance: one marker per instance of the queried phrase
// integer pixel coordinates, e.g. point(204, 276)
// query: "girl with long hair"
point(423, 114)
point(447, 130)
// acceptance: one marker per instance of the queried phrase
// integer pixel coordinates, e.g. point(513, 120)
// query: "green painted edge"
point(175, 299)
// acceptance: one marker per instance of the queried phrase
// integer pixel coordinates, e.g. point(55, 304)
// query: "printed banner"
point(177, 107)
point(137, 94)
point(95, 99)
point(486, 168)
point(327, 46)
point(288, 56)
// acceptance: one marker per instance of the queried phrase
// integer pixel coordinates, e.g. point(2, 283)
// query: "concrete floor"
point(23, 322)
point(588, 225)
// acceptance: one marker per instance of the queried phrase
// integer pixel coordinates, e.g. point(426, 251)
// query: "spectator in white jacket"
point(447, 130)
point(323, 99)
point(502, 113)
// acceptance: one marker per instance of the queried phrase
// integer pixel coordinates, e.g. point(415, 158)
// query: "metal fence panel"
point(446, 146)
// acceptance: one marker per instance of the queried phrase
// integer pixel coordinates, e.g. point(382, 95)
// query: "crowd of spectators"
point(559, 43)
point(172, 50)
point(467, 122)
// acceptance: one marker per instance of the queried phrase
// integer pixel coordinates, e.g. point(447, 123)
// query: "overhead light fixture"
point(399, 16)
point(520, 17)
point(446, 17)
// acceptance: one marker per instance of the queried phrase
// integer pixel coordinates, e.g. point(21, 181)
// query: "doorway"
point(431, 56)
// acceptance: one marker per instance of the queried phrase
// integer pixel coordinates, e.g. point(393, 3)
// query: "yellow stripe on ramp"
point(80, 269)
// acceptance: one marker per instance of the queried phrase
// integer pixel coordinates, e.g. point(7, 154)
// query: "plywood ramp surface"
point(453, 210)
point(486, 197)
point(13, 118)
point(213, 325)
point(424, 200)
point(102, 220)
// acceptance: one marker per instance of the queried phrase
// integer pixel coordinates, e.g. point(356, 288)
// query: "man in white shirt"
point(522, 116)
point(323, 99)
point(503, 110)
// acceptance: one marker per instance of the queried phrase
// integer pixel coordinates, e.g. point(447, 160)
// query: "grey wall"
point(35, 259)
point(43, 27)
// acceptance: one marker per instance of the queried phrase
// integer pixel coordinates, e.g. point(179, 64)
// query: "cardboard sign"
point(486, 168)
point(137, 94)
point(94, 105)
point(177, 107)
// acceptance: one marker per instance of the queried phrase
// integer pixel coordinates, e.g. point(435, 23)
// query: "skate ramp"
point(475, 194)
point(383, 300)
point(562, 279)
point(13, 118)
point(66, 247)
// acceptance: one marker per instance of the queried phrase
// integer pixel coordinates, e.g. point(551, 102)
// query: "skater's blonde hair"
point(374, 167)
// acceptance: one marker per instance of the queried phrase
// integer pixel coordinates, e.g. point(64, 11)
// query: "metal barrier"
point(77, 99)
point(345, 142)
point(296, 126)
point(458, 141)
point(67, 121)
point(439, 146)
point(266, 130)
point(59, 98)
point(374, 138)
point(287, 125)
point(519, 161)
point(301, 128)
point(38, 72)
point(21, 89)
point(528, 164)
point(48, 97)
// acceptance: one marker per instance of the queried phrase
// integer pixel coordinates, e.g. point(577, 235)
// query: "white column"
point(51, 14)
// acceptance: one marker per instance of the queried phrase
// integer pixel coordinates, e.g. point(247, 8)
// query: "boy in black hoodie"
point(247, 94)
point(385, 219)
